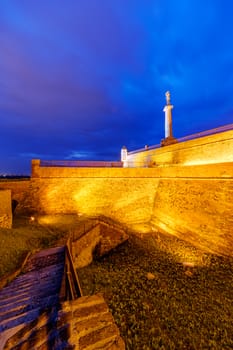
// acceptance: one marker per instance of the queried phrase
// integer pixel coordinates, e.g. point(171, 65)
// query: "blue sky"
point(80, 79)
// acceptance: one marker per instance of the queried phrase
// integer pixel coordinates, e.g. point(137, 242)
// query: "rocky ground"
point(165, 294)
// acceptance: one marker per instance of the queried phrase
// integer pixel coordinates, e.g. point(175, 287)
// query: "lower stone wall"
point(192, 202)
point(98, 241)
point(20, 192)
point(5, 209)
point(127, 200)
point(198, 211)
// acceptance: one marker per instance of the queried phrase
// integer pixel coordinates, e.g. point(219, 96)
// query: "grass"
point(27, 236)
point(158, 302)
point(23, 237)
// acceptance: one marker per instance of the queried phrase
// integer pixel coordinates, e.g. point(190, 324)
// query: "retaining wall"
point(5, 209)
point(192, 202)
point(214, 149)
point(196, 210)
point(20, 192)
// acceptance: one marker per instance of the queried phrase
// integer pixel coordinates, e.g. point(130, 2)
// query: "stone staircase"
point(91, 324)
point(32, 316)
point(32, 292)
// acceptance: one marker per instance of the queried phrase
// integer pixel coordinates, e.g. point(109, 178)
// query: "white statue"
point(168, 97)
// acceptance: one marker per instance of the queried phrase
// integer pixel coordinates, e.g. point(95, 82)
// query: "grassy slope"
point(22, 238)
point(26, 236)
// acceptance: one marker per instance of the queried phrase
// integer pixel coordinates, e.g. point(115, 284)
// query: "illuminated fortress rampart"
point(184, 189)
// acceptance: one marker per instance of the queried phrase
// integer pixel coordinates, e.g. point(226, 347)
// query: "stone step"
point(15, 311)
point(9, 298)
point(34, 281)
point(19, 319)
point(92, 325)
point(16, 288)
point(87, 319)
point(44, 320)
point(9, 303)
point(42, 291)
point(22, 310)
point(42, 333)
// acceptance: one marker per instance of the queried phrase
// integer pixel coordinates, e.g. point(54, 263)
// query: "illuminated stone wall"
point(192, 202)
point(127, 199)
point(196, 210)
point(5, 209)
point(172, 171)
point(205, 150)
point(20, 192)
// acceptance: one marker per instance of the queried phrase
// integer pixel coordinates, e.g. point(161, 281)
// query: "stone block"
point(98, 241)
point(92, 324)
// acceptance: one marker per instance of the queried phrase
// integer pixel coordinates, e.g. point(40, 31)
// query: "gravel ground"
point(165, 294)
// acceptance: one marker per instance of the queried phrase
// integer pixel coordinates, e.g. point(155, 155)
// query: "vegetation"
point(25, 236)
point(165, 294)
point(30, 234)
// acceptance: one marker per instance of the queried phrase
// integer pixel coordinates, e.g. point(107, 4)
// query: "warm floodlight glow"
point(188, 264)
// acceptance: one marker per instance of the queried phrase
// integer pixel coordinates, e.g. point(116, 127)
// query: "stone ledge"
point(99, 241)
point(95, 329)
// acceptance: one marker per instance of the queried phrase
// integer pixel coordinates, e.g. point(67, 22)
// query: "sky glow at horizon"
point(80, 79)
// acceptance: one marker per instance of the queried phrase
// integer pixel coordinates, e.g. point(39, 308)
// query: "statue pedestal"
point(170, 140)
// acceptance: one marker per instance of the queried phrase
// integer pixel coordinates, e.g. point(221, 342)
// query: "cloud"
point(84, 78)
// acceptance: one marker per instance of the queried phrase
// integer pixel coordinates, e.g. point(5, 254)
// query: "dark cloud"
point(82, 79)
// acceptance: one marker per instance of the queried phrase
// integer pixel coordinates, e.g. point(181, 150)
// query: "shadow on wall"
point(14, 204)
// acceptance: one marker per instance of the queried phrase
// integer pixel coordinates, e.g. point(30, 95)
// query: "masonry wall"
point(20, 192)
point(127, 200)
point(196, 210)
point(205, 150)
point(5, 209)
point(192, 202)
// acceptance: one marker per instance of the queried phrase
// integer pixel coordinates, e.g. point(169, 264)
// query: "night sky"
point(81, 78)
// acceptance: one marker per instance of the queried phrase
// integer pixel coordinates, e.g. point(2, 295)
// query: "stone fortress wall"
point(216, 148)
point(193, 202)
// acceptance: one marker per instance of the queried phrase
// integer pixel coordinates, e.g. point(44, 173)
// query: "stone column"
point(168, 115)
point(169, 139)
